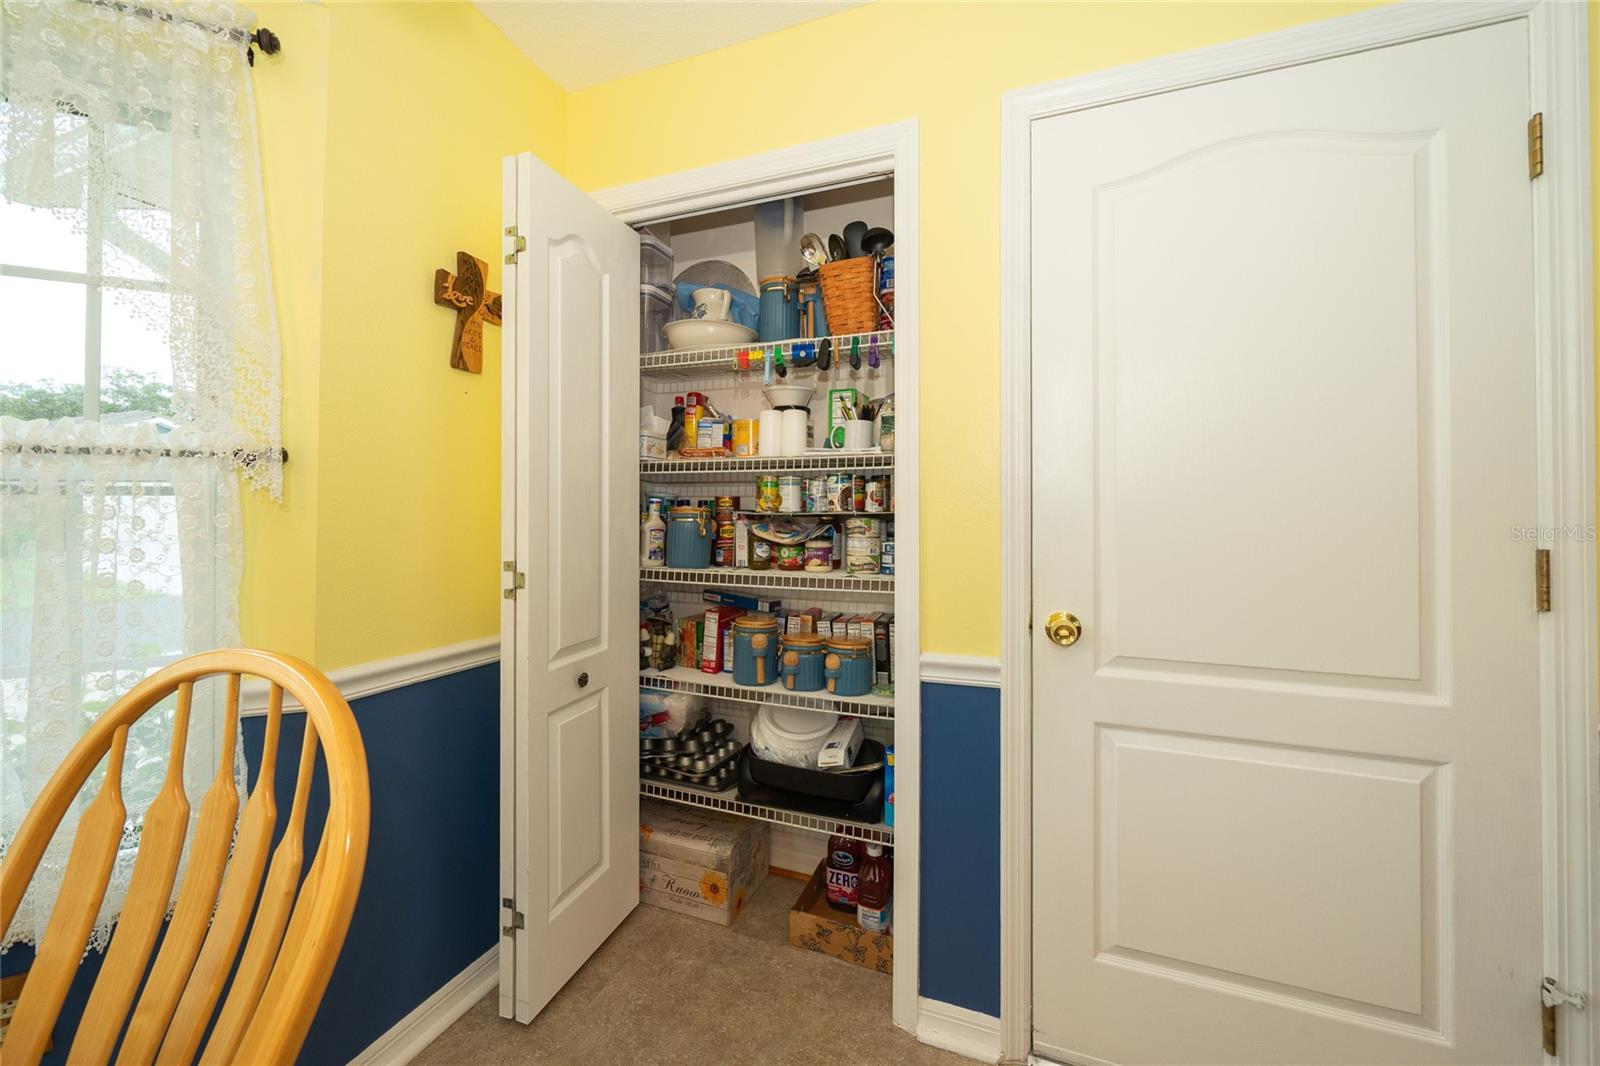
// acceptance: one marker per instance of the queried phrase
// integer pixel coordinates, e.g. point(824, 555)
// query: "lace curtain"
point(119, 530)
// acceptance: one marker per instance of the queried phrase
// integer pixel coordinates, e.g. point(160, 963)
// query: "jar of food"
point(689, 535)
point(755, 649)
point(760, 553)
point(789, 556)
point(801, 662)
point(819, 552)
point(849, 666)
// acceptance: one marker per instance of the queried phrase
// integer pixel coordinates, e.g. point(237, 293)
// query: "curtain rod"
point(261, 37)
point(238, 455)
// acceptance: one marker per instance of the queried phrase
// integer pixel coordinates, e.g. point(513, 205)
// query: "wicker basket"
point(847, 295)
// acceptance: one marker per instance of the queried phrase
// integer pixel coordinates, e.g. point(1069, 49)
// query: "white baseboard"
point(965, 1032)
point(434, 1015)
point(368, 679)
point(961, 670)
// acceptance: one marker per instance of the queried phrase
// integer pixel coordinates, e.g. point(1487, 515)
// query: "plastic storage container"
point(655, 261)
point(689, 534)
point(755, 649)
point(655, 309)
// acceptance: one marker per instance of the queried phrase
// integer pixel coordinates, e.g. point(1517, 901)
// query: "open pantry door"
point(569, 797)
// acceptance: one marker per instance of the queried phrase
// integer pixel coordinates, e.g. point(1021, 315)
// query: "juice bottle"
point(873, 890)
point(845, 856)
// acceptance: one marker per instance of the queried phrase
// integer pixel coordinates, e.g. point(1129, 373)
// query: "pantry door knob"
point(583, 679)
point(1063, 628)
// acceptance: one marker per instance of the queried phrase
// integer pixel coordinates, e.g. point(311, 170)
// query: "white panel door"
point(1286, 801)
point(569, 734)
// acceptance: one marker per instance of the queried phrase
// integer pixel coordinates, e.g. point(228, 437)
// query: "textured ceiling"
point(583, 44)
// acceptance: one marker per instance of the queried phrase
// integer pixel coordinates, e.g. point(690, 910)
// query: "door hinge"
point(519, 243)
point(509, 904)
point(1551, 996)
point(1541, 579)
point(519, 580)
point(1536, 145)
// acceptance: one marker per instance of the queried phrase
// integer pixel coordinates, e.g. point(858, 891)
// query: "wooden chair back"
point(298, 928)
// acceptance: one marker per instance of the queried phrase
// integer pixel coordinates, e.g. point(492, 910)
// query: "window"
point(84, 294)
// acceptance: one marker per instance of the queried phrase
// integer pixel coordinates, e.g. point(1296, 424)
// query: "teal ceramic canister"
point(800, 665)
point(849, 667)
point(689, 535)
point(755, 649)
point(779, 316)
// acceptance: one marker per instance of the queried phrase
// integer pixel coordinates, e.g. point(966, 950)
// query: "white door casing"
point(1286, 789)
point(569, 784)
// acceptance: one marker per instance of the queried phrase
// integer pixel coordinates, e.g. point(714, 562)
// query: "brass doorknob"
point(1063, 628)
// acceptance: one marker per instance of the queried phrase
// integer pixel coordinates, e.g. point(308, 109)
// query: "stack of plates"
point(791, 736)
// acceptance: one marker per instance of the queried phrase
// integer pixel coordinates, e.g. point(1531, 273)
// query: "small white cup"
point(712, 303)
point(857, 435)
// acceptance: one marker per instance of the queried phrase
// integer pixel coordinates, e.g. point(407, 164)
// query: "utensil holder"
point(847, 295)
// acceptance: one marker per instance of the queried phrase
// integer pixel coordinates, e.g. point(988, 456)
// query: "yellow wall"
point(383, 127)
point(947, 66)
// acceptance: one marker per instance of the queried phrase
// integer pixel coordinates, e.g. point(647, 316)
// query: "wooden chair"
point(295, 937)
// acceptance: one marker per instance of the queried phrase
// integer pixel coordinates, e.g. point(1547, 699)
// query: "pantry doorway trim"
point(850, 159)
point(1563, 360)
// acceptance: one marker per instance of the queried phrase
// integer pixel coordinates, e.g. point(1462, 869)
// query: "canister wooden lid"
point(849, 643)
point(802, 640)
point(755, 621)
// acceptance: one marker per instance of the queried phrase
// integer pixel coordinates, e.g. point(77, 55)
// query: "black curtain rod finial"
point(266, 40)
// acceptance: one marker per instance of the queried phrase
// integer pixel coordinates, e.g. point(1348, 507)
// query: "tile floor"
point(669, 989)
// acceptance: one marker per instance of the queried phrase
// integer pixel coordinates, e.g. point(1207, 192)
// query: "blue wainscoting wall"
point(429, 904)
point(960, 939)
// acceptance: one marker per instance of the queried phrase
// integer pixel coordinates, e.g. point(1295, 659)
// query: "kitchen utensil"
point(812, 250)
point(855, 353)
point(853, 233)
point(790, 395)
point(857, 435)
point(876, 240)
point(794, 430)
point(706, 333)
point(713, 272)
point(825, 353)
point(835, 246)
point(872, 352)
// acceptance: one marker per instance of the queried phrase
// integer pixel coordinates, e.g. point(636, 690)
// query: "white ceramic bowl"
point(706, 333)
point(789, 395)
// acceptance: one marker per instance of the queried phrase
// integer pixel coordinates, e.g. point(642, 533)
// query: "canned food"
point(726, 505)
point(722, 553)
point(858, 493)
point(767, 495)
point(839, 493)
point(863, 545)
point(817, 493)
point(790, 493)
point(790, 557)
point(877, 495)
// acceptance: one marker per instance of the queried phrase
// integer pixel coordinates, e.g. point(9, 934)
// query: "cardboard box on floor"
point(700, 863)
point(815, 926)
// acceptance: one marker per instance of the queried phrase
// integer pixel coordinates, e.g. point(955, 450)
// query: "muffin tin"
point(702, 756)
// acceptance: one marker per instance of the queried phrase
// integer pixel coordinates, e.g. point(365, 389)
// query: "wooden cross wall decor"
point(467, 291)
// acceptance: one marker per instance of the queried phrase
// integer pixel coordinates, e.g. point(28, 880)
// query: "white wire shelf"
point(700, 469)
point(722, 686)
point(729, 802)
point(773, 580)
point(697, 362)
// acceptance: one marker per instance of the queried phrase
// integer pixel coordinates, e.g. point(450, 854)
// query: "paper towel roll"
point(794, 431)
point(769, 433)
